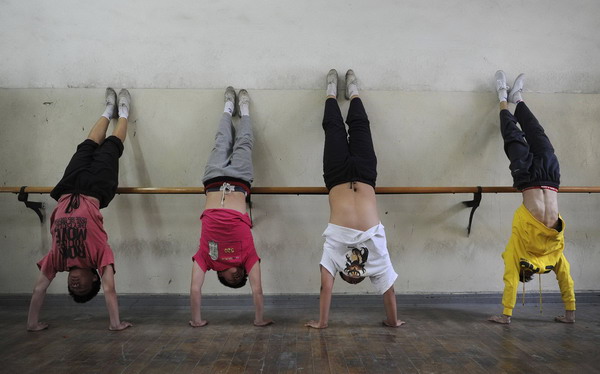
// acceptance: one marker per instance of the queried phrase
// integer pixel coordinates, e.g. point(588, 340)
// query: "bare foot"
point(315, 325)
point(503, 319)
point(37, 327)
point(264, 322)
point(121, 326)
point(564, 319)
point(198, 324)
point(397, 324)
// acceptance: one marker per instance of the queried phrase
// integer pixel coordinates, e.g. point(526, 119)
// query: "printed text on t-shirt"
point(71, 233)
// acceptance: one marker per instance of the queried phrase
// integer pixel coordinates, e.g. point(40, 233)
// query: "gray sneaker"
point(243, 99)
point(124, 99)
point(230, 96)
point(350, 80)
point(332, 81)
point(111, 99)
point(515, 93)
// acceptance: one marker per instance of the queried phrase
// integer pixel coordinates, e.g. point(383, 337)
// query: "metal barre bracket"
point(37, 207)
point(473, 204)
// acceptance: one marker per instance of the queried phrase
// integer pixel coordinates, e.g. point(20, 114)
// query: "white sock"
point(244, 110)
point(229, 106)
point(123, 111)
point(331, 89)
point(503, 95)
point(108, 112)
point(352, 90)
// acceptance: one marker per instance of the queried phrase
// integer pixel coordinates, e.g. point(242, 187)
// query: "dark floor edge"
point(294, 301)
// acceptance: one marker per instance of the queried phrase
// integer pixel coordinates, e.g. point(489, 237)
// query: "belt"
point(226, 187)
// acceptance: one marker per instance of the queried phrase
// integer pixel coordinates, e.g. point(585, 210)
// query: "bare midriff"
point(233, 200)
point(543, 205)
point(353, 205)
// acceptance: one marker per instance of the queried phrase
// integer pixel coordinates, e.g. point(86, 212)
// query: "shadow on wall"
point(151, 216)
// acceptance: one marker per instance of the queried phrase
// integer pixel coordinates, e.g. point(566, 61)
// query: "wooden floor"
point(442, 338)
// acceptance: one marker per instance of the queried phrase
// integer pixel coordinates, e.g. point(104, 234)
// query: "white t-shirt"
point(359, 253)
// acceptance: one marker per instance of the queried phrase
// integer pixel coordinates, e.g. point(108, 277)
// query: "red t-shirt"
point(225, 241)
point(78, 239)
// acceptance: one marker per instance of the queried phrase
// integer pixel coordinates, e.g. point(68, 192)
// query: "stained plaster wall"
point(425, 69)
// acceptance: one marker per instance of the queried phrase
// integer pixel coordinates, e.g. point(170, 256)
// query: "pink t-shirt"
point(226, 241)
point(78, 239)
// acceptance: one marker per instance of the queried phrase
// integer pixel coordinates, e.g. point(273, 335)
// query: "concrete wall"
point(426, 70)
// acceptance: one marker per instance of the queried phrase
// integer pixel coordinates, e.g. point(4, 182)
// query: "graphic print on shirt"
point(70, 234)
point(228, 251)
point(213, 250)
point(525, 264)
point(355, 261)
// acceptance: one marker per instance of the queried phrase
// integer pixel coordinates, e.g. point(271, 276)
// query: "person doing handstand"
point(79, 242)
point(226, 243)
point(355, 243)
point(537, 241)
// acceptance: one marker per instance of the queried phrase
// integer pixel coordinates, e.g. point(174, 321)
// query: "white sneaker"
point(111, 99)
point(501, 87)
point(514, 96)
point(243, 100)
point(230, 96)
point(124, 100)
point(351, 84)
point(332, 81)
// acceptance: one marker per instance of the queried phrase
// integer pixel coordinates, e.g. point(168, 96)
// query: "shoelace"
point(540, 278)
point(540, 290)
point(504, 86)
point(226, 189)
point(523, 277)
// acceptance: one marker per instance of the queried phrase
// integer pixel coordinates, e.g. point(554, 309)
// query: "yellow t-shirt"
point(539, 248)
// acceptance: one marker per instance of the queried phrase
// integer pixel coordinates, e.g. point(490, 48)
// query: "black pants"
point(531, 155)
point(348, 156)
point(93, 170)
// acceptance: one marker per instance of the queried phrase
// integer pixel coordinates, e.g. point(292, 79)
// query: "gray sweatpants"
point(231, 157)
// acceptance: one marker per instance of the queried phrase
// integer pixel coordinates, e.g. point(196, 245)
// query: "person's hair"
point(354, 280)
point(525, 275)
point(90, 295)
point(241, 283)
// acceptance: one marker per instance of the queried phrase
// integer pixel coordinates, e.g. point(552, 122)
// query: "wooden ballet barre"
point(311, 190)
point(24, 191)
